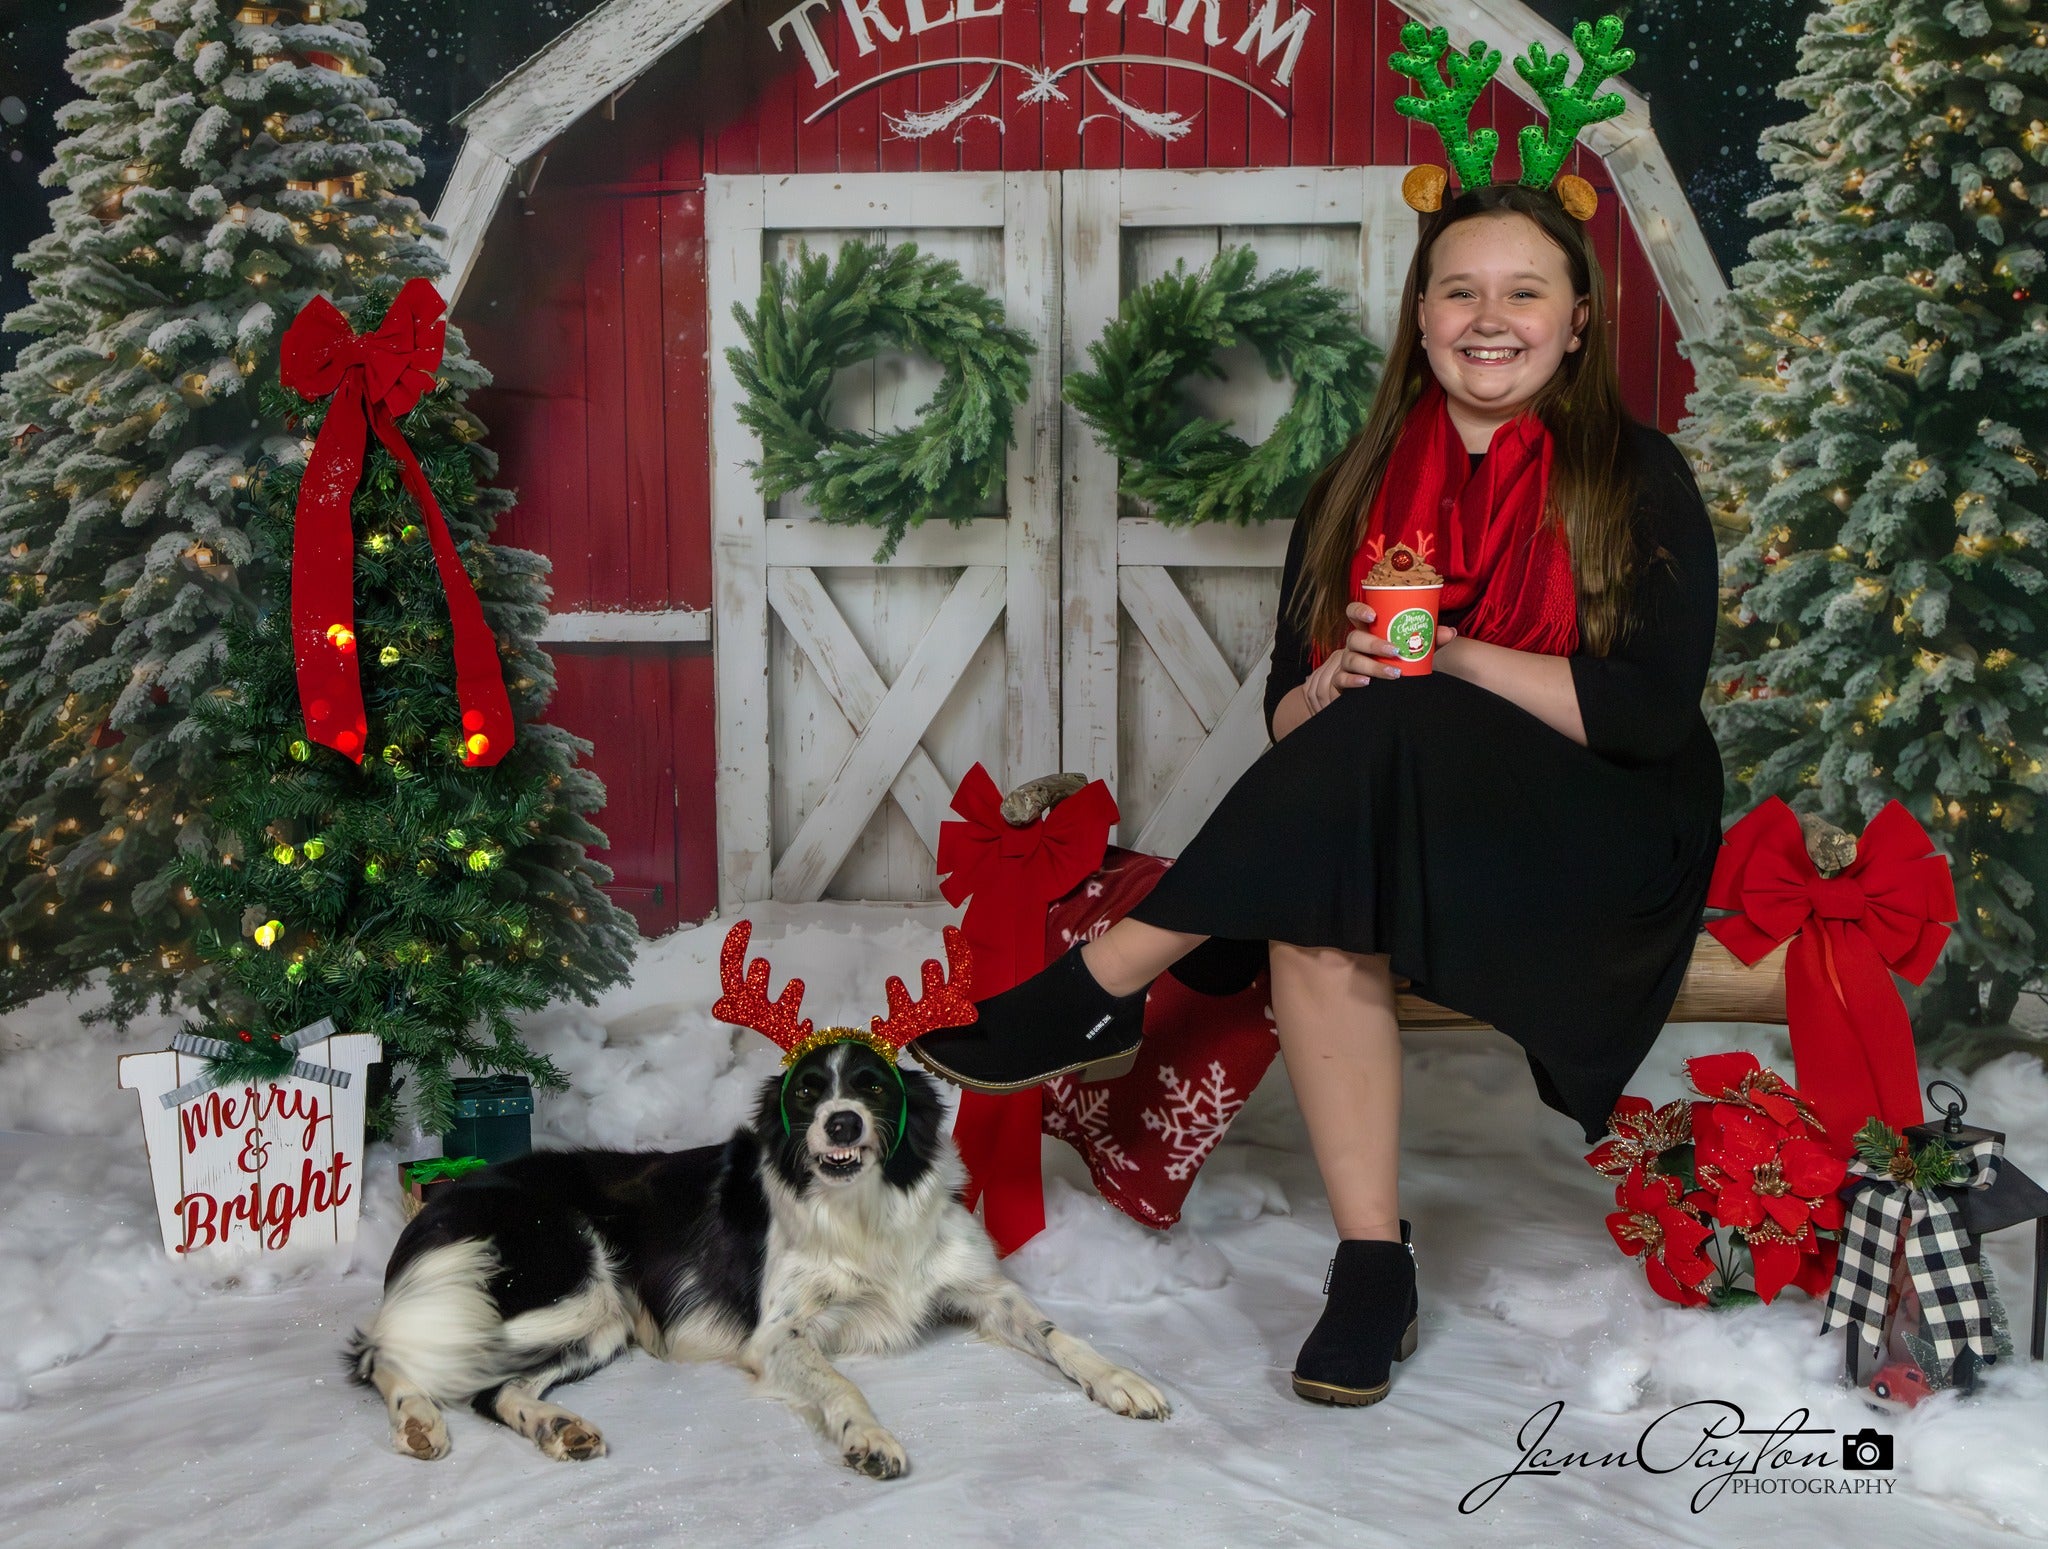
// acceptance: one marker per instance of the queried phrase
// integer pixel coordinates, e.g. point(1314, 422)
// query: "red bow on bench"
point(1012, 875)
point(1852, 1042)
point(374, 378)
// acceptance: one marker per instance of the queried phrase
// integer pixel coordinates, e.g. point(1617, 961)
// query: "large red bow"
point(373, 378)
point(1852, 1042)
point(1012, 875)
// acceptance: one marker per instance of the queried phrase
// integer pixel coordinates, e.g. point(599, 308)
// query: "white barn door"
point(1168, 630)
point(853, 697)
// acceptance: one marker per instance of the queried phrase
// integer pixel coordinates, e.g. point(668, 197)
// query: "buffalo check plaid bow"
point(1948, 1278)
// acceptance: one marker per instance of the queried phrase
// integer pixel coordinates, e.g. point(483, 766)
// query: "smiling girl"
point(1526, 833)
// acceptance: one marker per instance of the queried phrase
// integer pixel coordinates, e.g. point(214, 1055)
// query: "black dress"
point(1552, 890)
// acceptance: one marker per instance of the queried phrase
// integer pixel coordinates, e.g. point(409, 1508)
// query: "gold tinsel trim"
point(825, 1035)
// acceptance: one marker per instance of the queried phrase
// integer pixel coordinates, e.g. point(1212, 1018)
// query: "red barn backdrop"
point(773, 714)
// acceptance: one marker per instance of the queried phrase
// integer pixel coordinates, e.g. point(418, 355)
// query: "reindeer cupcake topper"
point(942, 1001)
point(1446, 106)
point(1402, 556)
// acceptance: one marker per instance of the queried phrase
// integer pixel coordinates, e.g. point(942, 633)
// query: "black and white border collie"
point(837, 1231)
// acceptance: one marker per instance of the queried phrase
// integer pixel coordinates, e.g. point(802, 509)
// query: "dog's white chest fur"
point(867, 1266)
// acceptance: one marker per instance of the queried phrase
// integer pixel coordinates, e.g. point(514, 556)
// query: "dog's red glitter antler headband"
point(942, 1002)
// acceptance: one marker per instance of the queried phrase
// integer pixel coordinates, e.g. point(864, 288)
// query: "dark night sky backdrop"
point(1708, 67)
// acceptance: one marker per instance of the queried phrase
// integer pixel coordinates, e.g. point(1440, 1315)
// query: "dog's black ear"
point(784, 1151)
point(768, 1113)
point(924, 1112)
point(742, 1153)
point(741, 1205)
point(921, 1089)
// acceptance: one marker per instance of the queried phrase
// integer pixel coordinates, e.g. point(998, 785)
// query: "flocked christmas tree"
point(1871, 426)
point(226, 162)
point(440, 882)
point(192, 224)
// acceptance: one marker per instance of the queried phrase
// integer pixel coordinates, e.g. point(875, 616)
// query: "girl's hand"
point(1362, 658)
point(1444, 635)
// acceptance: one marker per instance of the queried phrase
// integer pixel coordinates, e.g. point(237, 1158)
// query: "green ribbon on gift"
point(438, 1169)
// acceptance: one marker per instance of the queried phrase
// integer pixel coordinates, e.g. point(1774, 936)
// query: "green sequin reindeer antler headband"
point(1446, 106)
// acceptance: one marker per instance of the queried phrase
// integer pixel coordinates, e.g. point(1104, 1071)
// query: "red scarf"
point(1483, 525)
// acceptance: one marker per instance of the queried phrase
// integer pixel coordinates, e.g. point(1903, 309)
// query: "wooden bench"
point(1717, 988)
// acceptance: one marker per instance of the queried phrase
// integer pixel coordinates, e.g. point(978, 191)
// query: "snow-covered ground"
point(143, 1403)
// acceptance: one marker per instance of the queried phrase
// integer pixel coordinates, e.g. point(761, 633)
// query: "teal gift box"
point(493, 1118)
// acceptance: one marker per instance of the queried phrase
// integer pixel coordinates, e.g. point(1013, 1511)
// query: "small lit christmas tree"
point(426, 892)
point(1868, 428)
point(227, 162)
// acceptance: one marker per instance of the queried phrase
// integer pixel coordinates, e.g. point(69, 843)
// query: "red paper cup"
point(1405, 616)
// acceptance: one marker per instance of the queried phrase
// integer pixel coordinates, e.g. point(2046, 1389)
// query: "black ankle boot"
point(1368, 1323)
point(1057, 1021)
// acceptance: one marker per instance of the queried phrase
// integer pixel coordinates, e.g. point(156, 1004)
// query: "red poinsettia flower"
point(1639, 1134)
point(1781, 1258)
point(1773, 1184)
point(1758, 1171)
point(1654, 1224)
point(1775, 1256)
point(1738, 1080)
point(1757, 1166)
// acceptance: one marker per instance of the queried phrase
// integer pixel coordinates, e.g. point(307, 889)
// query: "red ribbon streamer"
point(373, 378)
point(1012, 875)
point(1852, 1042)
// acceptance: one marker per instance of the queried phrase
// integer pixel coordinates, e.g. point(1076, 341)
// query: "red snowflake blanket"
point(1145, 1134)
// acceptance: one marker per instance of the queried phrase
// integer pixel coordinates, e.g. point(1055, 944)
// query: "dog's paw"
point(866, 1446)
point(1126, 1393)
point(423, 1436)
point(568, 1439)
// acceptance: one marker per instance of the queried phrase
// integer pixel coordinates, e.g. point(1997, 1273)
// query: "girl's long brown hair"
point(1592, 488)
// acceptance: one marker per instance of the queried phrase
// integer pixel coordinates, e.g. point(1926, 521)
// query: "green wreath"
point(1190, 469)
point(826, 316)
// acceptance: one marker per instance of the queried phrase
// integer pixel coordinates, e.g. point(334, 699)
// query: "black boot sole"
point(1332, 1393)
point(1105, 1069)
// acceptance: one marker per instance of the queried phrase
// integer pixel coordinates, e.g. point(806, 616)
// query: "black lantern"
point(1973, 1209)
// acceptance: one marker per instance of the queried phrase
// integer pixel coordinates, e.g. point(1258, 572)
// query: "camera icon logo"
point(1867, 1449)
